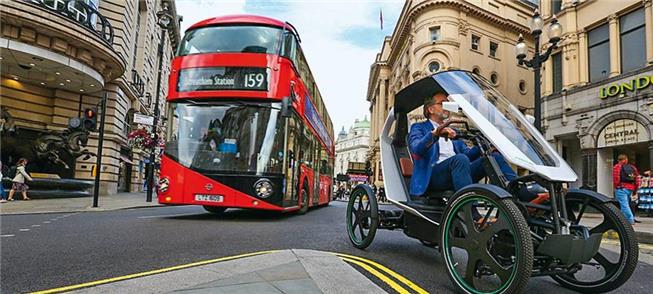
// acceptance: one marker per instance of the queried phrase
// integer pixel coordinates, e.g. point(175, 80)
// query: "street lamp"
point(164, 20)
point(521, 50)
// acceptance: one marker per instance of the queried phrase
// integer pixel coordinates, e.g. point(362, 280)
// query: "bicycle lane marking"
point(149, 273)
point(370, 263)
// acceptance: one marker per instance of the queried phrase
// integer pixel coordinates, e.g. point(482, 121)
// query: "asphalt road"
point(65, 249)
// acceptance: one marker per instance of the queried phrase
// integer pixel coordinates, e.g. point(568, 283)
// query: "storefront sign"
point(622, 132)
point(636, 84)
point(143, 119)
point(223, 78)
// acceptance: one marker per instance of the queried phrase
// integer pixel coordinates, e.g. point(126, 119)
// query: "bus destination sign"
point(223, 78)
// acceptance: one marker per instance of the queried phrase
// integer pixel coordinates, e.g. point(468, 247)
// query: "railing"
point(82, 13)
point(137, 83)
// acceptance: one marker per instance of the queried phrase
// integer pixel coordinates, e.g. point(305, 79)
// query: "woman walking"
point(19, 180)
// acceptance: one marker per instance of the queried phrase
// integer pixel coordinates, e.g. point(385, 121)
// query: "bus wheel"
point(215, 209)
point(362, 216)
point(304, 195)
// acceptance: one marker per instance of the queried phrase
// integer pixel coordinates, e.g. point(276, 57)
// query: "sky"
point(340, 39)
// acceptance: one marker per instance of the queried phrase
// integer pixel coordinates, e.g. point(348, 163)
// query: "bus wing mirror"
point(286, 105)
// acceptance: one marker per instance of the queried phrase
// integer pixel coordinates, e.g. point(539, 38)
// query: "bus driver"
point(442, 163)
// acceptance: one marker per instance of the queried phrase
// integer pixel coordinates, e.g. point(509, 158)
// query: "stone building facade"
point(60, 57)
point(352, 146)
point(598, 87)
point(436, 35)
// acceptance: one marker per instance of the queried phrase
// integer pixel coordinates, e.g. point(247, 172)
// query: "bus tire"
point(304, 196)
point(215, 209)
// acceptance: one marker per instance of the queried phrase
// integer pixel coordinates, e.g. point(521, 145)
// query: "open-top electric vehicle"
point(494, 236)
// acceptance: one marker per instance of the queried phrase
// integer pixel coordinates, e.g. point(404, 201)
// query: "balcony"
point(74, 36)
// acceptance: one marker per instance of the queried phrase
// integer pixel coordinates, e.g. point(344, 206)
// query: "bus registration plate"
point(209, 198)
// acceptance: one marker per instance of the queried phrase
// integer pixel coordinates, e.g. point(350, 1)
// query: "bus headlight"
point(164, 184)
point(263, 188)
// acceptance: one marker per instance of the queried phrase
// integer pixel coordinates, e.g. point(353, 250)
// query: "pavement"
point(284, 271)
point(80, 204)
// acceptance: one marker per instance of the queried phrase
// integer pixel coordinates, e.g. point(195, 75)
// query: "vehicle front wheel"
point(215, 209)
point(486, 244)
point(615, 261)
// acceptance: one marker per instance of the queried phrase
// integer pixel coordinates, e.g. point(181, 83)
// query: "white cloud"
point(341, 68)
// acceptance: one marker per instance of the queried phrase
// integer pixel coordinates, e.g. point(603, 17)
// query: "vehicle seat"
point(406, 167)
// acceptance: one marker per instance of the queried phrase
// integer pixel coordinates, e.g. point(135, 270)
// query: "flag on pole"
point(381, 17)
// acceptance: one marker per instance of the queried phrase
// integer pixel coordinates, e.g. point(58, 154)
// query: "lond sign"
point(636, 84)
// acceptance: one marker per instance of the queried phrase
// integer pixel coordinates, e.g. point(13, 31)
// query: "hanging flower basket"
point(141, 139)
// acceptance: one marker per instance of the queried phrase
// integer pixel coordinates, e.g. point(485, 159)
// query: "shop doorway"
point(638, 154)
point(125, 171)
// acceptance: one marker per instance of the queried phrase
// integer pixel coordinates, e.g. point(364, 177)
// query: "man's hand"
point(444, 132)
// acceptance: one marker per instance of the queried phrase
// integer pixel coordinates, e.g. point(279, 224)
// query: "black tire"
point(304, 196)
point(498, 251)
point(362, 215)
point(215, 209)
point(620, 271)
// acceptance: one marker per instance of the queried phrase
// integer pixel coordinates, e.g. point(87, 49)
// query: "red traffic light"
point(89, 113)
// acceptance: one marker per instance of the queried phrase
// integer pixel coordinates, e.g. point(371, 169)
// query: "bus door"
point(292, 162)
point(306, 162)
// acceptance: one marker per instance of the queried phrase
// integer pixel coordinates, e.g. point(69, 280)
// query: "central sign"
point(622, 132)
point(223, 78)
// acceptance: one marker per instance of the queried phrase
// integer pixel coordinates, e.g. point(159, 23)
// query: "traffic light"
point(89, 120)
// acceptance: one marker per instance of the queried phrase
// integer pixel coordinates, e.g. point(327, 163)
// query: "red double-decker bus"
point(246, 126)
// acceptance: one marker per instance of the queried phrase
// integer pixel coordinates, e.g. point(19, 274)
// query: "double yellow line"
point(383, 273)
point(148, 273)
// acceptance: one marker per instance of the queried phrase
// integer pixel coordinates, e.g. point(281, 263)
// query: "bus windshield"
point(228, 137)
point(240, 38)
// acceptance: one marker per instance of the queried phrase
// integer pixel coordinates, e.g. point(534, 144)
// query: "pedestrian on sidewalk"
point(625, 178)
point(2, 187)
point(18, 183)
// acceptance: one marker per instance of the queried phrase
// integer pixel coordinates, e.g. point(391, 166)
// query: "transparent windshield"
point(227, 137)
point(221, 39)
point(499, 112)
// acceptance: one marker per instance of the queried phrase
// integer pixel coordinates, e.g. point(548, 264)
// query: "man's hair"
point(429, 101)
point(622, 157)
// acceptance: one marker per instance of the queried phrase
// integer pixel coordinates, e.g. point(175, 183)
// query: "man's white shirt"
point(446, 146)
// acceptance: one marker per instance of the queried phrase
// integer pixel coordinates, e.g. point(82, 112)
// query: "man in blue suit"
point(441, 163)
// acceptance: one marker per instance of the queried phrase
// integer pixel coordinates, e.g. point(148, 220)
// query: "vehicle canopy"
point(493, 114)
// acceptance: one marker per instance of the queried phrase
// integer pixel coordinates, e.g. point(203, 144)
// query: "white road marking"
point(3, 236)
point(34, 226)
point(24, 230)
point(46, 222)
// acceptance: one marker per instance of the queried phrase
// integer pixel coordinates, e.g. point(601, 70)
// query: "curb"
point(87, 209)
point(642, 237)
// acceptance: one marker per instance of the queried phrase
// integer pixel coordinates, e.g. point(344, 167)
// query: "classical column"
point(589, 168)
point(615, 60)
point(382, 97)
point(648, 11)
point(583, 66)
point(547, 73)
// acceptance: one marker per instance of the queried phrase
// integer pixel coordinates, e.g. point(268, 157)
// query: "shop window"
point(476, 40)
point(599, 52)
point(494, 47)
point(633, 40)
point(435, 33)
point(557, 72)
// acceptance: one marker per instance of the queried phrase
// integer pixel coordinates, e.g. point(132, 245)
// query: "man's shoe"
point(639, 222)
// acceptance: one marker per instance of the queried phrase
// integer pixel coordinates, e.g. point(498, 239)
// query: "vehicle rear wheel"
point(304, 196)
point(486, 244)
point(215, 209)
point(362, 216)
point(615, 261)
